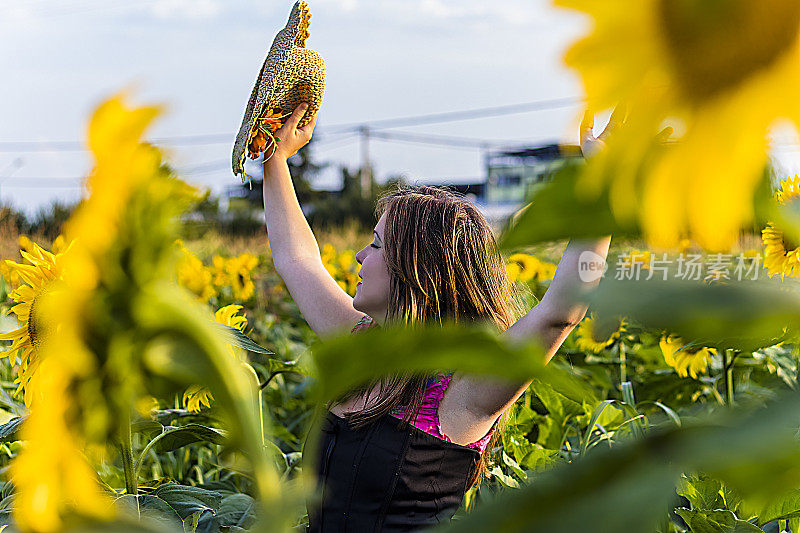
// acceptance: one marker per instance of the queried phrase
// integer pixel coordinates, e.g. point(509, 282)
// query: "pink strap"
point(428, 417)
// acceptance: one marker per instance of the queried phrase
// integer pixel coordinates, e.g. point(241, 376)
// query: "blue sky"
point(385, 59)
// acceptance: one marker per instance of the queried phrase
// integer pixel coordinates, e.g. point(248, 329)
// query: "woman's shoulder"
point(364, 323)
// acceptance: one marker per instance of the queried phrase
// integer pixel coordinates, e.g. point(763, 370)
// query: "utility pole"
point(365, 174)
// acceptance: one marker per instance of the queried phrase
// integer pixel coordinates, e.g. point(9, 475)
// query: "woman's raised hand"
point(290, 137)
point(590, 145)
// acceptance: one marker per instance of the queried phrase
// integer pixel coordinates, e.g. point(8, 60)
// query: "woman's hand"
point(290, 137)
point(590, 145)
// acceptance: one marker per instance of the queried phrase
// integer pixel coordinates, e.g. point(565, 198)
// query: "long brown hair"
point(444, 265)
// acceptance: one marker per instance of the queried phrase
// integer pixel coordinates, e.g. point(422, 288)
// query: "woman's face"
point(372, 293)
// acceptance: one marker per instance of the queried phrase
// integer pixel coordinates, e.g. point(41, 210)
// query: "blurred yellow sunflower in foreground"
point(591, 338)
point(122, 320)
point(721, 73)
point(197, 396)
point(685, 361)
point(780, 255)
point(37, 274)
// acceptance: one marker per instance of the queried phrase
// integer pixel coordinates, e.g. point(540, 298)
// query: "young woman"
point(399, 453)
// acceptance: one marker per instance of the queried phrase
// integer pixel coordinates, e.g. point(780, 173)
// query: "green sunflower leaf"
point(235, 337)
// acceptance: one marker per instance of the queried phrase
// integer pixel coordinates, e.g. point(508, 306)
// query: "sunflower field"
point(154, 383)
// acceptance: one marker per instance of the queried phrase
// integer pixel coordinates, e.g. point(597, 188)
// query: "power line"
point(225, 138)
point(441, 140)
point(334, 143)
point(455, 116)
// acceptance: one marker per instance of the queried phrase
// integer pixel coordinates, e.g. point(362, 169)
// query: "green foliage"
point(723, 521)
point(8, 431)
point(745, 315)
point(340, 361)
point(640, 475)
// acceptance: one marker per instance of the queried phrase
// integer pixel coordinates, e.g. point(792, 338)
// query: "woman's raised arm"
point(556, 315)
point(295, 252)
point(563, 305)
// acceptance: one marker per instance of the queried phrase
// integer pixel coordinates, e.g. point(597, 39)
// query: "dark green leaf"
point(150, 428)
point(120, 525)
point(719, 521)
point(8, 431)
point(237, 510)
point(166, 416)
point(178, 437)
point(151, 510)
point(188, 500)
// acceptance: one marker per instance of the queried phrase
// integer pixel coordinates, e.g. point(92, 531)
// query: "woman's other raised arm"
point(295, 252)
point(561, 309)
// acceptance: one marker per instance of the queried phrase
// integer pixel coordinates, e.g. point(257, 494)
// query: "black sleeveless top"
point(381, 478)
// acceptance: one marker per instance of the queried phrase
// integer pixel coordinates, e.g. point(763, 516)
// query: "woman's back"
point(384, 478)
point(381, 478)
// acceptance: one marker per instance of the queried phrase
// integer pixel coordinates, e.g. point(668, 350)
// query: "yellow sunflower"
point(685, 361)
point(119, 314)
point(546, 271)
point(591, 338)
point(781, 256)
point(236, 273)
point(721, 73)
point(195, 276)
point(197, 396)
point(342, 266)
point(522, 267)
point(38, 273)
point(9, 275)
point(25, 243)
point(526, 268)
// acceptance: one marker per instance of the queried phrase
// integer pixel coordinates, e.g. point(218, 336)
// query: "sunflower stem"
point(727, 375)
point(623, 363)
point(261, 413)
point(259, 400)
point(126, 451)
